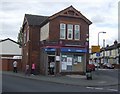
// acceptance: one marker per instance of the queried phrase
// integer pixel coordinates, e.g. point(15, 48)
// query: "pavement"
point(97, 81)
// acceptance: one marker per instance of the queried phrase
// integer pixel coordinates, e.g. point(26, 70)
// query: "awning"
point(66, 50)
point(50, 49)
point(73, 50)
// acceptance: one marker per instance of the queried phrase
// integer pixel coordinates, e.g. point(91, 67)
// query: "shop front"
point(73, 60)
point(47, 56)
point(66, 60)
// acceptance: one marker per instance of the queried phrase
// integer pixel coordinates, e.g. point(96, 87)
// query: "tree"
point(20, 37)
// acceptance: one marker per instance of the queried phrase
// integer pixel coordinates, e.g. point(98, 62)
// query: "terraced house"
point(109, 54)
point(62, 38)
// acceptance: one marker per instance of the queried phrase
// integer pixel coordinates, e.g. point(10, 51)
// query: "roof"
point(112, 47)
point(9, 39)
point(118, 45)
point(9, 47)
point(40, 20)
point(67, 10)
point(35, 19)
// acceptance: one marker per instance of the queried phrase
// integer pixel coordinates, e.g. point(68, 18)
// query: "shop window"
point(62, 31)
point(77, 59)
point(70, 32)
point(66, 62)
point(77, 32)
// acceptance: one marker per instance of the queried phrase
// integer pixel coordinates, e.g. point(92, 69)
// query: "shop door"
point(51, 65)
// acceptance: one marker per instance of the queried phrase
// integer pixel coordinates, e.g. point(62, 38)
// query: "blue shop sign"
point(73, 50)
point(50, 49)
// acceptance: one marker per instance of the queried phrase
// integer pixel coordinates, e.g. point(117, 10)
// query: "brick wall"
point(6, 64)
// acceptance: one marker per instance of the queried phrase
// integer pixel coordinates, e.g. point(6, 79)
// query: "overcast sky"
point(102, 13)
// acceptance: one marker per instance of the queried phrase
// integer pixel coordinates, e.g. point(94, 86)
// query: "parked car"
point(108, 65)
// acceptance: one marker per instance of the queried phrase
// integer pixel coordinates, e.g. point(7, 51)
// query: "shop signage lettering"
point(50, 49)
point(73, 50)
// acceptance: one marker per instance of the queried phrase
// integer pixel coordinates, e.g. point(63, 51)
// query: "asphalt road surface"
point(109, 72)
point(19, 84)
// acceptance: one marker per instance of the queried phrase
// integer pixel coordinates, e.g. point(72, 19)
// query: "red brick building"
point(62, 38)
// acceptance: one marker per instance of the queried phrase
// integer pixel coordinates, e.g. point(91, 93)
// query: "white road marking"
point(90, 87)
point(113, 89)
point(102, 82)
point(99, 88)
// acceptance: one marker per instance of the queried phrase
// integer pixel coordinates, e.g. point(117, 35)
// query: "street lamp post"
point(99, 45)
point(103, 51)
point(98, 36)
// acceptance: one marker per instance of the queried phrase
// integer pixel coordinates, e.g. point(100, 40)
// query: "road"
point(19, 84)
point(109, 72)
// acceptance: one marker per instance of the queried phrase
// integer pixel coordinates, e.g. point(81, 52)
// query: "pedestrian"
point(33, 69)
point(49, 68)
point(27, 70)
point(15, 66)
point(52, 65)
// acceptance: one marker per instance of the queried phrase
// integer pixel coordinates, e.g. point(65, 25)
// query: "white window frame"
point(75, 31)
point(68, 32)
point(63, 30)
point(24, 36)
point(27, 35)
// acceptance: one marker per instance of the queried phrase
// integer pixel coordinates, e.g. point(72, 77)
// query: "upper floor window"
point(77, 32)
point(24, 36)
point(62, 31)
point(110, 52)
point(27, 35)
point(70, 32)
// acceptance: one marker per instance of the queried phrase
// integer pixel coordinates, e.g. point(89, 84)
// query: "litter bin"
point(89, 75)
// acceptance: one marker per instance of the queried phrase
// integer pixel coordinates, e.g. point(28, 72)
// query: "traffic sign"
point(97, 54)
point(95, 49)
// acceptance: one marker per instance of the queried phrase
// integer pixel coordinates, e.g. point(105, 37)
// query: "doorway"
point(51, 65)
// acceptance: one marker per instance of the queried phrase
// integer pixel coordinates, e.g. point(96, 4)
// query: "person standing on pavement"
point(33, 69)
point(52, 65)
point(27, 70)
point(15, 66)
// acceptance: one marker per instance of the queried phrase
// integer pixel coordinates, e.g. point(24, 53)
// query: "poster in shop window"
point(64, 63)
point(64, 66)
point(69, 60)
point(57, 58)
